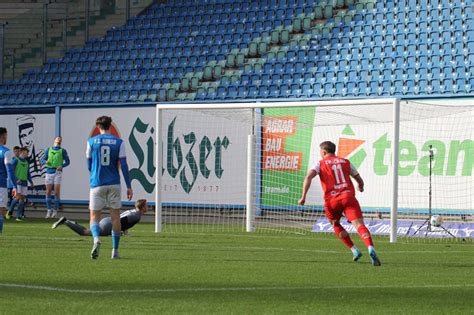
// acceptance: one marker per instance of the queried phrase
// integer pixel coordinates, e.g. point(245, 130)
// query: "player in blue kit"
point(105, 152)
point(6, 174)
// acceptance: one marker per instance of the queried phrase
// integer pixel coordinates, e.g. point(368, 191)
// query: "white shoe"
point(115, 254)
point(95, 250)
point(55, 213)
point(48, 214)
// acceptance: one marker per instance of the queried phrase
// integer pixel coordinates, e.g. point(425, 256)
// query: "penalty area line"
point(232, 289)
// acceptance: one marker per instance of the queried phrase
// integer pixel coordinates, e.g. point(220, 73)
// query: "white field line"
point(233, 289)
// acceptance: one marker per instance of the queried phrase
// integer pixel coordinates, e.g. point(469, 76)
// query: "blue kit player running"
point(6, 174)
point(105, 152)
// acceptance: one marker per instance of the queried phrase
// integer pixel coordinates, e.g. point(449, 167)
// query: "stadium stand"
point(221, 49)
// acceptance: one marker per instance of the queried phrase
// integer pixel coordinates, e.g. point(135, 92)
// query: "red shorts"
point(348, 205)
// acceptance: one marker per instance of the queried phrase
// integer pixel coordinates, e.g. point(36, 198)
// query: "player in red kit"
point(339, 197)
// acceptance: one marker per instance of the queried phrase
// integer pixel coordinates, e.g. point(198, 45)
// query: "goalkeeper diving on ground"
point(128, 219)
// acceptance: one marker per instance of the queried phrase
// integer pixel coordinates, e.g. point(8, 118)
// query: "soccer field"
point(49, 271)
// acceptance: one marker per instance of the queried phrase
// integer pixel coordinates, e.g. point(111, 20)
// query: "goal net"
point(240, 167)
point(436, 169)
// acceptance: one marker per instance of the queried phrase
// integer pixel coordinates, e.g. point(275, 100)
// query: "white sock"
point(354, 249)
point(96, 240)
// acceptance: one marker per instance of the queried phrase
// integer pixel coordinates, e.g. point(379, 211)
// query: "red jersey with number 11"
point(335, 175)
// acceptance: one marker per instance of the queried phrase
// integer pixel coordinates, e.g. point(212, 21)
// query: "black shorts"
point(105, 226)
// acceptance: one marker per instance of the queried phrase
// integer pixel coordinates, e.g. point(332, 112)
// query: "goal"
point(240, 166)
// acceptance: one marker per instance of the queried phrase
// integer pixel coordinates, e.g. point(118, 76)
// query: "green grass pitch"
point(45, 271)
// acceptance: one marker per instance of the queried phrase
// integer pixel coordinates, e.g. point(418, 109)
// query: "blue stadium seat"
point(231, 92)
point(86, 97)
point(396, 49)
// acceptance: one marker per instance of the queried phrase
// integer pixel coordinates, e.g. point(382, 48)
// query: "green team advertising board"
point(287, 135)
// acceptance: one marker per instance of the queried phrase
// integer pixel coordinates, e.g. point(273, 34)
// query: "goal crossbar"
point(175, 106)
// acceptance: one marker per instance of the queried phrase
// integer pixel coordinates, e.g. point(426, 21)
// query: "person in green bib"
point(55, 159)
point(21, 170)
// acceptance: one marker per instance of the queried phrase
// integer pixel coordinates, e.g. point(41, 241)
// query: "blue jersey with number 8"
point(105, 152)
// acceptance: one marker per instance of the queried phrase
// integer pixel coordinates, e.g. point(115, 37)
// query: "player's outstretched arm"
point(89, 164)
point(306, 185)
point(360, 182)
point(126, 177)
point(89, 157)
point(355, 174)
point(124, 168)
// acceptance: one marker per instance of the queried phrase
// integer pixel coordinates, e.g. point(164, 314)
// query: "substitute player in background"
point(6, 174)
point(55, 159)
point(339, 197)
point(105, 152)
point(22, 176)
point(128, 219)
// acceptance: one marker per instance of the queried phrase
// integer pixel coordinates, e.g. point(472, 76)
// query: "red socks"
point(362, 230)
point(346, 240)
point(365, 235)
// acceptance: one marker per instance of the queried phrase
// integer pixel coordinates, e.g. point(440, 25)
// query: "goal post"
point(395, 162)
point(237, 167)
point(158, 176)
point(254, 152)
point(251, 185)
